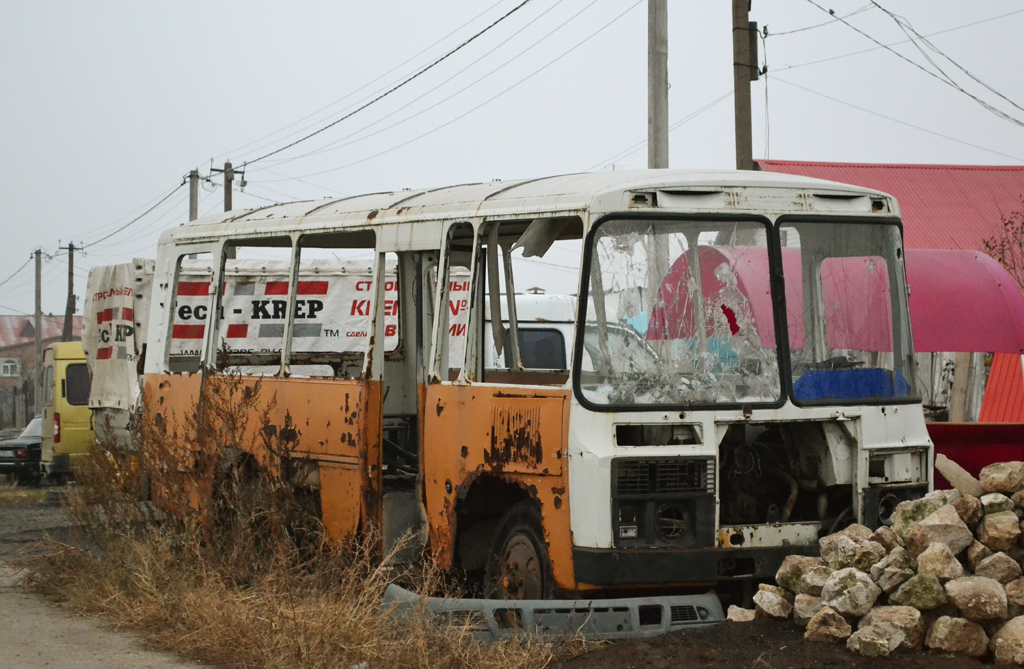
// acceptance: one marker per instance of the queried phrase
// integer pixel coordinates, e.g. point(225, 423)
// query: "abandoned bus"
point(736, 379)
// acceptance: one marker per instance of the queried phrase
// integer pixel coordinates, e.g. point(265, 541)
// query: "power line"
point(137, 218)
point(876, 48)
point(944, 79)
point(906, 26)
point(625, 153)
point(351, 93)
point(391, 90)
point(339, 142)
point(15, 273)
point(482, 104)
point(895, 120)
point(819, 25)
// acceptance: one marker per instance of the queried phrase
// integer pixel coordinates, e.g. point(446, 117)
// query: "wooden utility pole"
point(39, 334)
point(69, 311)
point(193, 195)
point(742, 64)
point(657, 84)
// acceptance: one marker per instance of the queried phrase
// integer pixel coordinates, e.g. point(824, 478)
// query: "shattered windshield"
point(846, 309)
point(679, 312)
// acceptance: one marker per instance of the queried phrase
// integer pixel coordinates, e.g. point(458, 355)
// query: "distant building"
point(17, 363)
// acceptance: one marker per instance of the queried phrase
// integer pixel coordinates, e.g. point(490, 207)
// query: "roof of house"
point(18, 330)
point(942, 206)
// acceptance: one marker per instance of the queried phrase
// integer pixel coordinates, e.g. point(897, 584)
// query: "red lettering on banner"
point(104, 316)
point(238, 331)
point(188, 332)
point(457, 305)
point(193, 288)
point(127, 314)
point(305, 288)
point(457, 330)
point(104, 353)
point(360, 308)
point(363, 285)
point(390, 330)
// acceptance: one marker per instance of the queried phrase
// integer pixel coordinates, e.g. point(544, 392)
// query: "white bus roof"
point(567, 195)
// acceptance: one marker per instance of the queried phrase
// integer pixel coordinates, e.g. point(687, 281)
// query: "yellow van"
point(68, 430)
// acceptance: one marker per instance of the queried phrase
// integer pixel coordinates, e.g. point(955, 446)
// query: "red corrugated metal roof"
point(943, 206)
point(17, 330)
point(1004, 393)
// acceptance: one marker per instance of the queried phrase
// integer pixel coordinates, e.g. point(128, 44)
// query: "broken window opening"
point(846, 312)
point(679, 312)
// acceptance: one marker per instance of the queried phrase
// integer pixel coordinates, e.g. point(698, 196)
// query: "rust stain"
point(372, 215)
point(440, 407)
point(465, 451)
point(515, 436)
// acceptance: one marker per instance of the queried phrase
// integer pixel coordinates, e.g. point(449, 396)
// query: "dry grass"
point(15, 493)
point(252, 584)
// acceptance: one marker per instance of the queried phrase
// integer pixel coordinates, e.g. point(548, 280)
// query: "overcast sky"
point(107, 105)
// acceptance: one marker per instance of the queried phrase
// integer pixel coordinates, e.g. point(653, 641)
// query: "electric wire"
point(895, 120)
point(482, 104)
point(137, 218)
point(819, 25)
point(340, 142)
point(625, 153)
point(15, 272)
point(876, 48)
point(944, 79)
point(353, 92)
point(907, 28)
point(391, 90)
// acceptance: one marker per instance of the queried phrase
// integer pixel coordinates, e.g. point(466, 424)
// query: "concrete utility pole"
point(69, 311)
point(744, 69)
point(38, 328)
point(193, 195)
point(229, 176)
point(657, 84)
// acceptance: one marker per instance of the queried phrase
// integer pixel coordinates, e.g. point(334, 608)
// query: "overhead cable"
point(944, 79)
point(896, 120)
point(482, 104)
point(391, 90)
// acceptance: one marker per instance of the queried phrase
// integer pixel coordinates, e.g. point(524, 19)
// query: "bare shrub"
point(233, 568)
point(1008, 245)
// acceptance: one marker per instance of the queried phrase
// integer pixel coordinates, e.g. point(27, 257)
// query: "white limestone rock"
point(850, 592)
point(957, 635)
point(979, 599)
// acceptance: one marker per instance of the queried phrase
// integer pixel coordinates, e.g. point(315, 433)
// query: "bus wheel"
point(518, 566)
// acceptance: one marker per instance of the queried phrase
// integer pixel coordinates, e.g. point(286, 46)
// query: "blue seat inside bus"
point(850, 384)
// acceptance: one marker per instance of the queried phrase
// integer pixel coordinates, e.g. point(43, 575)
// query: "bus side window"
point(456, 294)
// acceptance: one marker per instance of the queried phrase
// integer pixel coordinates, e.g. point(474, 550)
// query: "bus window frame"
point(899, 298)
point(778, 314)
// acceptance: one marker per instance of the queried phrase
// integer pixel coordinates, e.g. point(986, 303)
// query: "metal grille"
point(684, 614)
point(635, 476)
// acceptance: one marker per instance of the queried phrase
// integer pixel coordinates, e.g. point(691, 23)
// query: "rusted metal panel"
point(324, 420)
point(514, 434)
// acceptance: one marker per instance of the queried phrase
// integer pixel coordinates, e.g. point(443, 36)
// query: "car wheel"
point(518, 566)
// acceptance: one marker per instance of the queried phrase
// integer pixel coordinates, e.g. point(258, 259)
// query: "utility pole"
point(744, 70)
point(193, 195)
point(69, 311)
point(229, 176)
point(38, 328)
point(657, 84)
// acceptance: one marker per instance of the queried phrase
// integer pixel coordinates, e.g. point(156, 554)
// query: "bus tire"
point(518, 566)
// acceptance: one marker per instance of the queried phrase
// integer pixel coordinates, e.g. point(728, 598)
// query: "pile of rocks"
point(945, 576)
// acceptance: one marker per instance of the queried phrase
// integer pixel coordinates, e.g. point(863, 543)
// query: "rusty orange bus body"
point(735, 381)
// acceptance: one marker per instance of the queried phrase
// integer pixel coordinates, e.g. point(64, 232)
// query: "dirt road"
point(36, 634)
